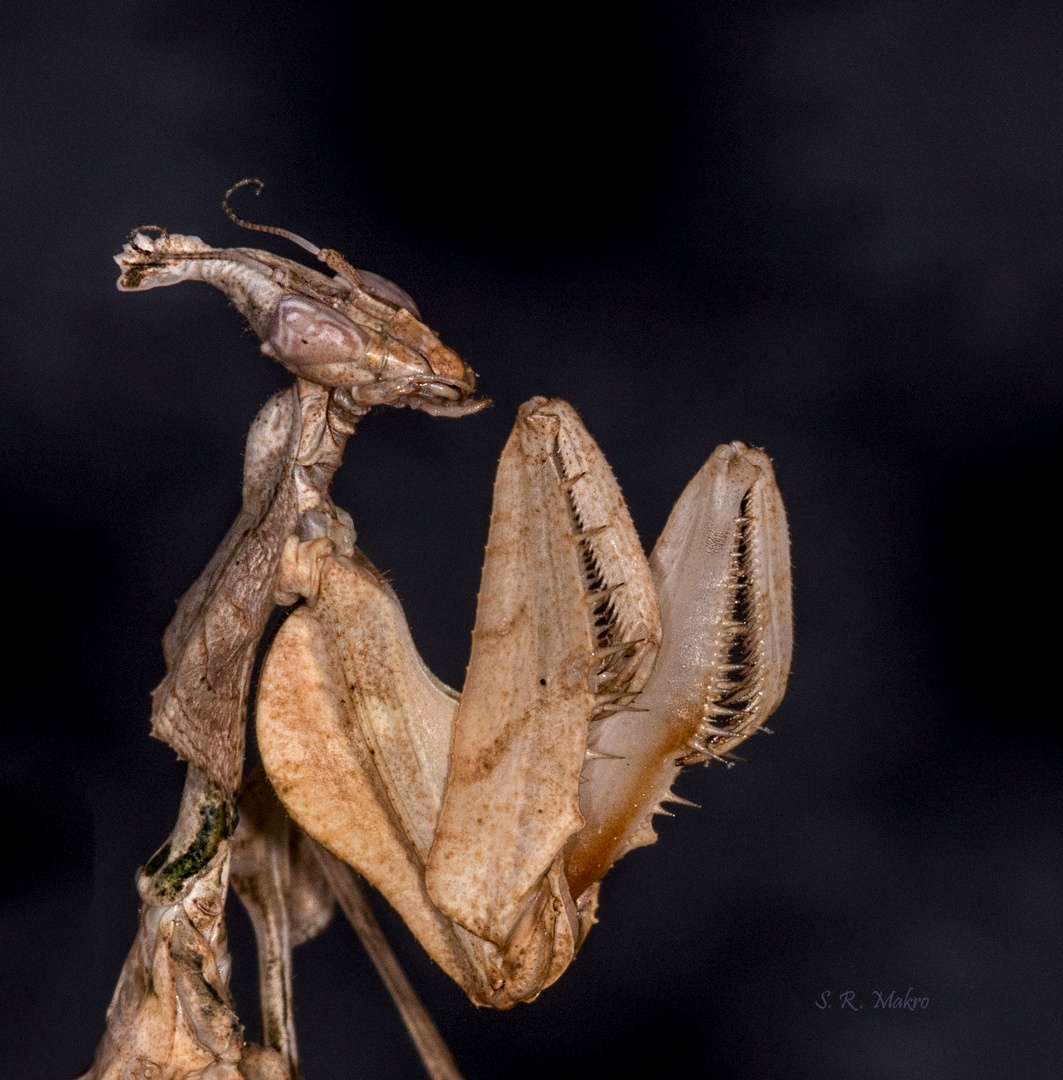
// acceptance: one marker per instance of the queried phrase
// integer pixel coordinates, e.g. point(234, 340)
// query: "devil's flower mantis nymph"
point(486, 818)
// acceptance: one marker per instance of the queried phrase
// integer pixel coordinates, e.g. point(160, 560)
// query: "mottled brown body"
point(487, 818)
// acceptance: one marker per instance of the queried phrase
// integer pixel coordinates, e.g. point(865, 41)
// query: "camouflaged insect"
point(486, 818)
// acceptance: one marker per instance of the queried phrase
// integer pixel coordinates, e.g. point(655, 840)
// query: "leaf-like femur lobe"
point(354, 735)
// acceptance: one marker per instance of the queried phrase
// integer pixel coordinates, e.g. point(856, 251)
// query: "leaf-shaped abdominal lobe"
point(722, 572)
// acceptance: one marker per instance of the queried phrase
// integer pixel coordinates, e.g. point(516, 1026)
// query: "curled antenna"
point(244, 224)
point(131, 239)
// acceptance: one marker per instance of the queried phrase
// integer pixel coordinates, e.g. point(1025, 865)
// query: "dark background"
point(832, 230)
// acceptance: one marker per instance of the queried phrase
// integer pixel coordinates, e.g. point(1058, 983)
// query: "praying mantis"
point(487, 818)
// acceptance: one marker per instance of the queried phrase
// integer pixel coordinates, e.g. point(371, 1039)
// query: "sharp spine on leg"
point(595, 755)
point(611, 650)
point(711, 729)
point(672, 797)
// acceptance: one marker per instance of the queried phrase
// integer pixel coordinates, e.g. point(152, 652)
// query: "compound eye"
point(307, 334)
point(383, 289)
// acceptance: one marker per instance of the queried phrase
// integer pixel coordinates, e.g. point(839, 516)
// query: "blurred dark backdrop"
point(830, 229)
